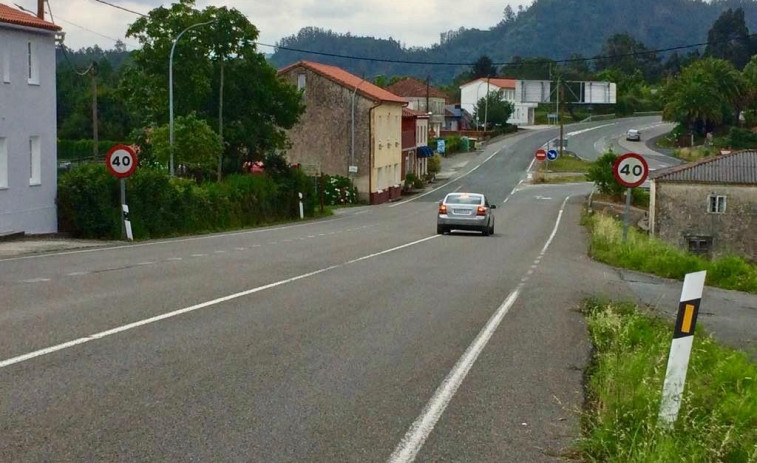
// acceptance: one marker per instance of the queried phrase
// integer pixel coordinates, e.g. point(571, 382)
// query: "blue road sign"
point(552, 155)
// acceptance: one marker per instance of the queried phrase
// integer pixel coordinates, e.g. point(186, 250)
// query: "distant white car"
point(633, 135)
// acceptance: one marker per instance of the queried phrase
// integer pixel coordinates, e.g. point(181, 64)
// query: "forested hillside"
point(549, 28)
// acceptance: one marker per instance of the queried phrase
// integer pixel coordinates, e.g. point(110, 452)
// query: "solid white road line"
point(416, 436)
point(36, 280)
point(169, 241)
point(175, 313)
point(448, 183)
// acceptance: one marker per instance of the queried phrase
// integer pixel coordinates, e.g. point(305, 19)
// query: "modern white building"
point(28, 139)
point(512, 91)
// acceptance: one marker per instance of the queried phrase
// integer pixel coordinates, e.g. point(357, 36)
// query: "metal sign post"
point(630, 170)
point(121, 161)
point(680, 348)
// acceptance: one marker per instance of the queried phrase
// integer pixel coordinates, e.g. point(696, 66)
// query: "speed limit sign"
point(631, 170)
point(121, 161)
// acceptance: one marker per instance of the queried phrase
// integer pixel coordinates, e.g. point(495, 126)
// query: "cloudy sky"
point(413, 22)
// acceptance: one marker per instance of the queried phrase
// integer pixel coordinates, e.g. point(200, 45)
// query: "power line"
point(442, 63)
point(121, 8)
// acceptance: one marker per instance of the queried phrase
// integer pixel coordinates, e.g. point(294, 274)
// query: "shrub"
point(434, 165)
point(738, 138)
point(88, 202)
point(600, 172)
point(338, 190)
point(71, 150)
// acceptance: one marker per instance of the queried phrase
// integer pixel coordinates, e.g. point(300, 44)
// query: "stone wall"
point(680, 212)
point(323, 135)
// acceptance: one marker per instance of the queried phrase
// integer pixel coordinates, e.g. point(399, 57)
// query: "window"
point(35, 161)
point(301, 82)
point(3, 163)
point(716, 204)
point(396, 174)
point(32, 63)
point(380, 179)
point(700, 245)
point(388, 129)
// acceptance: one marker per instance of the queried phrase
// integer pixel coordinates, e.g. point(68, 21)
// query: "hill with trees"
point(555, 29)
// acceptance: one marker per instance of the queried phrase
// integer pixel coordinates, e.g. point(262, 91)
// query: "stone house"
point(708, 207)
point(28, 129)
point(323, 138)
point(424, 98)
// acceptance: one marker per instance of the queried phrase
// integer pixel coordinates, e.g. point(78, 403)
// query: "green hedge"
point(70, 150)
point(161, 206)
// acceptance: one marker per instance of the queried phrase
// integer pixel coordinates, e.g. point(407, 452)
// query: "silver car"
point(633, 135)
point(465, 211)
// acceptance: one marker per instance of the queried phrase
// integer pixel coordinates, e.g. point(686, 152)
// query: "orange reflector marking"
point(688, 316)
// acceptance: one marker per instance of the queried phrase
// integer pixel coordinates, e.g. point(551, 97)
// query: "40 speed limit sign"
point(121, 161)
point(631, 170)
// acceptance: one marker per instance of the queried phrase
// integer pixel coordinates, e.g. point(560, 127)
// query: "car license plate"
point(461, 211)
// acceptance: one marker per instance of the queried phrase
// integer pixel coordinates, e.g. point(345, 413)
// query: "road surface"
point(365, 337)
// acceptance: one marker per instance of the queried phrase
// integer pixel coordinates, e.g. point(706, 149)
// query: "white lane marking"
point(175, 313)
point(146, 263)
point(321, 234)
point(177, 240)
point(174, 259)
point(240, 249)
point(35, 280)
point(449, 182)
point(421, 428)
point(256, 245)
point(76, 274)
point(311, 236)
point(199, 255)
point(219, 252)
point(286, 241)
point(582, 131)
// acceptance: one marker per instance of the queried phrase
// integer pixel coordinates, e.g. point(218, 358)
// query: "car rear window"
point(463, 198)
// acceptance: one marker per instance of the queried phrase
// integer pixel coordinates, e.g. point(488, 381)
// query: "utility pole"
point(428, 91)
point(220, 122)
point(486, 105)
point(559, 112)
point(95, 135)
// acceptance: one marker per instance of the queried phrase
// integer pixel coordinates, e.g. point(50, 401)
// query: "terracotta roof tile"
point(407, 112)
point(739, 167)
point(411, 87)
point(348, 80)
point(499, 82)
point(13, 16)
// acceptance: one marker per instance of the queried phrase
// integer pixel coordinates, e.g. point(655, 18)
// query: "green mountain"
point(554, 29)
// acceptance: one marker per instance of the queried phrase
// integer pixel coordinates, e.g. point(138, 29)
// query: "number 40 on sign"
point(631, 171)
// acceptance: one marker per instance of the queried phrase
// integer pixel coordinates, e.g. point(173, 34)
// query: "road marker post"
point(302, 211)
point(680, 348)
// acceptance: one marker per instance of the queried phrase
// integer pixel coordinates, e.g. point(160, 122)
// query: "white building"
point(28, 139)
point(472, 92)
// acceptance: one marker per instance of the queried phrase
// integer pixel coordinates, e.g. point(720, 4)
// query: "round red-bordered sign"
point(541, 155)
point(121, 161)
point(630, 170)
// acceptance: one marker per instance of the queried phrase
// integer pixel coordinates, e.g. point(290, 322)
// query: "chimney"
point(41, 9)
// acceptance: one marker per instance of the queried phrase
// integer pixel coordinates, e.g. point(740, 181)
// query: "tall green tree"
point(627, 55)
point(213, 64)
point(494, 109)
point(708, 93)
point(729, 39)
point(483, 67)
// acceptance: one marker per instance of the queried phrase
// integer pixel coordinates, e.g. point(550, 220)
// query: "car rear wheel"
point(486, 231)
point(440, 230)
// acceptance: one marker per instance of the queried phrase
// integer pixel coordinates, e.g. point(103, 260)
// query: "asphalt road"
point(592, 142)
point(364, 337)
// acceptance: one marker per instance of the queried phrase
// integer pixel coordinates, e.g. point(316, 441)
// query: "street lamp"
point(170, 90)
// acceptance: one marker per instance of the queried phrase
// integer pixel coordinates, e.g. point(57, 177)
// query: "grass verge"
point(568, 162)
point(540, 177)
point(718, 416)
point(650, 255)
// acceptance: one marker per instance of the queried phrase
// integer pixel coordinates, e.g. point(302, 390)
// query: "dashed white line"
point(219, 252)
point(199, 255)
point(416, 436)
point(174, 259)
point(240, 249)
point(145, 263)
point(35, 280)
point(77, 274)
point(175, 313)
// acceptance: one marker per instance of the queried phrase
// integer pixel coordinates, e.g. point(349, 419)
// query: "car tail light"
point(442, 209)
point(481, 210)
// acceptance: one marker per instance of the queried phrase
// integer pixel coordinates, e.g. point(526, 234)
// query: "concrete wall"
point(27, 110)
point(323, 135)
point(680, 211)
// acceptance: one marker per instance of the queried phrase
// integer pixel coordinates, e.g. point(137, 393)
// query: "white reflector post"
point(127, 222)
point(680, 349)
